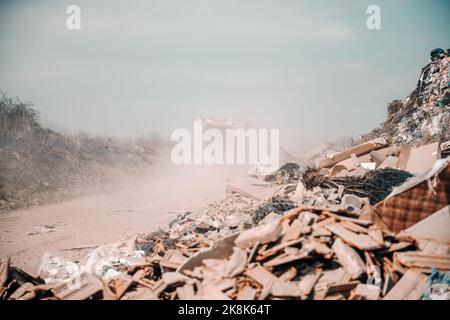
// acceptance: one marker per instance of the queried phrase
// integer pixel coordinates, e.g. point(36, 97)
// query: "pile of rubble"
point(328, 251)
point(369, 222)
point(424, 115)
point(308, 253)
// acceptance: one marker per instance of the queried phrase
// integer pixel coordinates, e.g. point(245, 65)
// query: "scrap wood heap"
point(309, 253)
point(344, 249)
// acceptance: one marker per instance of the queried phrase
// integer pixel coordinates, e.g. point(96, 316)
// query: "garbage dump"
point(422, 117)
point(369, 222)
point(308, 253)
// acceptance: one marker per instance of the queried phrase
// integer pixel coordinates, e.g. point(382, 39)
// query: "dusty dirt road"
point(71, 228)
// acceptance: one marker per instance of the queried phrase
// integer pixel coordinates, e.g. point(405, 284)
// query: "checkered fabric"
point(411, 206)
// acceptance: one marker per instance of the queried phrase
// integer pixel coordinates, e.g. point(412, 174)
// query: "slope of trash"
point(369, 222)
point(423, 116)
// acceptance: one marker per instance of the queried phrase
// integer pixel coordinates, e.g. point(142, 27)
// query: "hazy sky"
point(310, 68)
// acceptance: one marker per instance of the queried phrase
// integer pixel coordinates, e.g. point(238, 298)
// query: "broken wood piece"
point(409, 287)
point(284, 258)
point(121, 284)
point(330, 277)
point(377, 235)
point(289, 275)
point(342, 287)
point(424, 261)
point(307, 282)
point(348, 258)
point(246, 293)
point(321, 249)
point(173, 259)
point(294, 231)
point(171, 278)
point(108, 294)
point(80, 288)
point(358, 150)
point(210, 292)
point(366, 292)
point(237, 263)
point(364, 223)
point(261, 275)
point(285, 289)
point(354, 227)
point(267, 253)
point(360, 241)
point(395, 247)
point(265, 292)
point(262, 234)
point(186, 292)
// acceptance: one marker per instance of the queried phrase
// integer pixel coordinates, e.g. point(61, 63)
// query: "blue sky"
point(310, 68)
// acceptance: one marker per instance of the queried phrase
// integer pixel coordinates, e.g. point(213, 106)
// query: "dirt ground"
point(72, 228)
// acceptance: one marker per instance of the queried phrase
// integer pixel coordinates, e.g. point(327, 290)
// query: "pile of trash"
point(307, 253)
point(347, 250)
point(424, 115)
point(370, 222)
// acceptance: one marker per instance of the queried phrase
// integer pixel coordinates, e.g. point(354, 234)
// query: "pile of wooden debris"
point(308, 253)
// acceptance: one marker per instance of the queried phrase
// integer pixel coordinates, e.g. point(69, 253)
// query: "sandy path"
point(64, 227)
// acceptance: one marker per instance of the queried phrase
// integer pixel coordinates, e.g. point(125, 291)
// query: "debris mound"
point(375, 185)
point(308, 253)
point(289, 172)
point(424, 115)
point(277, 205)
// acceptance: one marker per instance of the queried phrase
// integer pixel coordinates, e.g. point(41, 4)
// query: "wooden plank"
point(354, 227)
point(289, 275)
point(377, 235)
point(294, 231)
point(349, 259)
point(246, 293)
point(395, 247)
point(278, 247)
point(285, 289)
point(80, 288)
point(409, 287)
point(307, 282)
point(360, 241)
point(361, 222)
point(342, 287)
point(173, 259)
point(283, 259)
point(421, 260)
point(357, 150)
point(261, 275)
point(328, 278)
point(367, 292)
